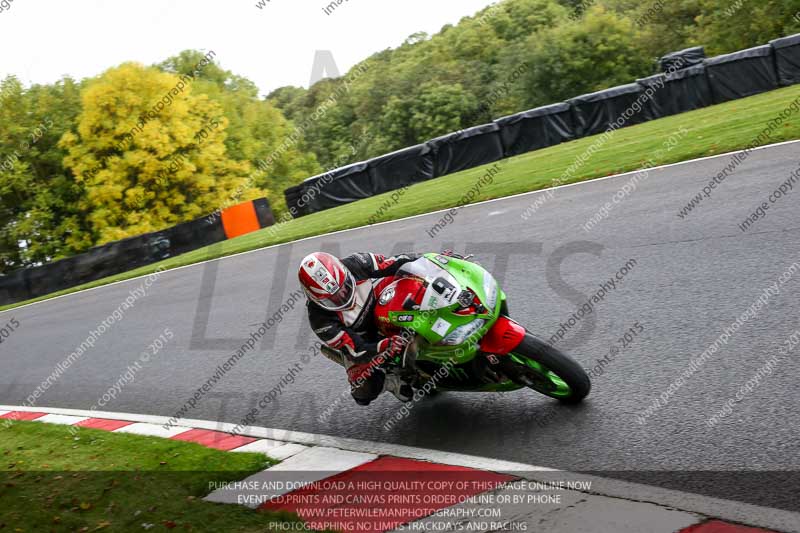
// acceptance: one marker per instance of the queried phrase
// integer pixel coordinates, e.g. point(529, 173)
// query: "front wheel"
point(547, 370)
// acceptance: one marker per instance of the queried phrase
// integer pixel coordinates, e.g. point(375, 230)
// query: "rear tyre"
point(547, 370)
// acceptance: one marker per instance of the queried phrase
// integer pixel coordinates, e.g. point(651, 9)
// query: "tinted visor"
point(343, 298)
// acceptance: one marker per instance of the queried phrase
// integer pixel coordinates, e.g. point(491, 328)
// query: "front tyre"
point(547, 370)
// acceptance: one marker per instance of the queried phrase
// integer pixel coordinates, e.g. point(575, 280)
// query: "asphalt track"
point(692, 279)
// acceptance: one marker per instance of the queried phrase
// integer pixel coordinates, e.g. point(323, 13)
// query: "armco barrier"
point(682, 59)
point(264, 212)
point(742, 74)
point(294, 201)
point(128, 254)
point(787, 59)
point(703, 82)
point(401, 168)
point(337, 187)
point(466, 149)
point(535, 129)
point(361, 180)
point(678, 92)
point(596, 112)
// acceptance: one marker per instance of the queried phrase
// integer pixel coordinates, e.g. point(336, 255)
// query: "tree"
point(257, 132)
point(95, 173)
point(596, 52)
point(39, 215)
point(150, 153)
point(434, 110)
point(186, 62)
point(14, 178)
point(727, 28)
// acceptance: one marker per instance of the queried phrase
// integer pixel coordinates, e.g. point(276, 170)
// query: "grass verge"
point(101, 481)
point(712, 130)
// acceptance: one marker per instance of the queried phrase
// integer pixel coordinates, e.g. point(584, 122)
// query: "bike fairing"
point(459, 317)
point(452, 316)
point(456, 314)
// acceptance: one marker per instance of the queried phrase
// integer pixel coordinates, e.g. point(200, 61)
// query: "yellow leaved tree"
point(150, 153)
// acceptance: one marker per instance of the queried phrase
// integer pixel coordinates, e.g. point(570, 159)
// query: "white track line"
point(504, 198)
point(732, 511)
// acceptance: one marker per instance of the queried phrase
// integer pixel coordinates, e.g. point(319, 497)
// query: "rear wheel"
point(547, 370)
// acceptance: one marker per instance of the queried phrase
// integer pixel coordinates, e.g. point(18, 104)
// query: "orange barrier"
point(240, 220)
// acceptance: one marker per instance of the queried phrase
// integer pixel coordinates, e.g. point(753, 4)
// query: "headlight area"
point(490, 290)
point(462, 333)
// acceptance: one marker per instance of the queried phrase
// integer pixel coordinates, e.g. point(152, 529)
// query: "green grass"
point(713, 130)
point(101, 481)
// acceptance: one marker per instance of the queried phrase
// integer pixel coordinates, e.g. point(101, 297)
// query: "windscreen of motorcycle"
point(442, 289)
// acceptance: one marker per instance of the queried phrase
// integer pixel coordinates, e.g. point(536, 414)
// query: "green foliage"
point(428, 86)
point(38, 197)
point(150, 153)
point(732, 126)
point(256, 130)
point(598, 51)
point(86, 163)
point(82, 181)
point(433, 110)
point(101, 481)
point(755, 22)
point(464, 75)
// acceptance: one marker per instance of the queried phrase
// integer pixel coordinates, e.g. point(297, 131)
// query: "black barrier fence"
point(264, 213)
point(467, 148)
point(682, 59)
point(401, 168)
point(679, 91)
point(597, 112)
point(362, 180)
point(294, 201)
point(121, 256)
point(742, 74)
point(337, 187)
point(787, 59)
point(689, 81)
point(535, 129)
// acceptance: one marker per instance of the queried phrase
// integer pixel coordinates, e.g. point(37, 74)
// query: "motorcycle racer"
point(342, 294)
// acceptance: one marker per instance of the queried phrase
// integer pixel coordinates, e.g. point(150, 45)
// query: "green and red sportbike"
point(461, 338)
